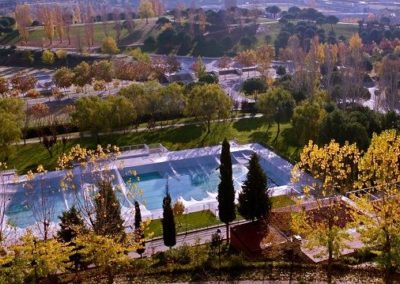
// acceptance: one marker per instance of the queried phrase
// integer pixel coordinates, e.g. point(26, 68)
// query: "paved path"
point(76, 135)
point(191, 238)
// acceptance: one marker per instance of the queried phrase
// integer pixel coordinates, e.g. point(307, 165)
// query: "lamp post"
point(219, 252)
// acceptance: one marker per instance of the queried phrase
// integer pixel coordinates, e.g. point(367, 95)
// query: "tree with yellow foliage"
point(109, 46)
point(48, 57)
point(334, 169)
point(23, 19)
point(105, 252)
point(146, 10)
point(35, 259)
point(379, 214)
point(264, 54)
point(247, 58)
point(47, 16)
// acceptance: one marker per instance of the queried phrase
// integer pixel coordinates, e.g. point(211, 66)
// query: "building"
point(230, 4)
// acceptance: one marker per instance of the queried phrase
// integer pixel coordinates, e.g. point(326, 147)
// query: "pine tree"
point(70, 226)
point(168, 222)
point(139, 233)
point(71, 223)
point(226, 190)
point(108, 212)
point(254, 202)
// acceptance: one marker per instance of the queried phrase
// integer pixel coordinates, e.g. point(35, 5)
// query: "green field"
point(142, 30)
point(27, 157)
point(203, 219)
point(272, 30)
point(185, 222)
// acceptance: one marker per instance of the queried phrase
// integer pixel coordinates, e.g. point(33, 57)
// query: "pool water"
point(193, 182)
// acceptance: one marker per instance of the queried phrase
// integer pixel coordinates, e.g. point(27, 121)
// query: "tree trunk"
point(227, 232)
point(388, 260)
point(278, 131)
point(110, 276)
point(329, 271)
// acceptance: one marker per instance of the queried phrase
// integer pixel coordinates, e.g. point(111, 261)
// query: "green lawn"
point(142, 30)
point(186, 222)
point(27, 157)
point(272, 30)
point(281, 201)
point(203, 219)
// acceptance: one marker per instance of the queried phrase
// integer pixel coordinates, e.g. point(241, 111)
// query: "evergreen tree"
point(139, 233)
point(71, 223)
point(108, 212)
point(168, 222)
point(70, 226)
point(226, 190)
point(254, 202)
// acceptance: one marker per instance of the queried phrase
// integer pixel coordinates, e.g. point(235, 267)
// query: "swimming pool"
point(190, 178)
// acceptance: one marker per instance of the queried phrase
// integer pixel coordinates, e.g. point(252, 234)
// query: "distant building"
point(230, 4)
point(182, 76)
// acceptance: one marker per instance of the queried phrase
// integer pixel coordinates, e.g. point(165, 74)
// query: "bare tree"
point(23, 19)
point(89, 25)
point(40, 200)
point(5, 227)
point(117, 25)
point(104, 20)
point(47, 17)
point(59, 22)
point(84, 171)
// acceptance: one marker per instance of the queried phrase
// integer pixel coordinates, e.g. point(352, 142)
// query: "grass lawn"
point(203, 219)
point(272, 30)
point(186, 222)
point(27, 157)
point(142, 30)
point(281, 201)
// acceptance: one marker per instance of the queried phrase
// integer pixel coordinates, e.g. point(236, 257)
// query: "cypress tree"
point(139, 233)
point(108, 212)
point(254, 201)
point(168, 222)
point(226, 190)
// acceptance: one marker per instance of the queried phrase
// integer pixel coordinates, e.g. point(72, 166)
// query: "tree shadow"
point(249, 124)
point(132, 37)
point(261, 136)
point(290, 137)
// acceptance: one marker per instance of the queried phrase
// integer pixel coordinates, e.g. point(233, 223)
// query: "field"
point(267, 32)
point(37, 36)
point(272, 29)
point(27, 157)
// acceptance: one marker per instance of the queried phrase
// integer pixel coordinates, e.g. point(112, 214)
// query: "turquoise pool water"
point(189, 182)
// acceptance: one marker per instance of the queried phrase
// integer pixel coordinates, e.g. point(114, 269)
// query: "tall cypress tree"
point(226, 190)
point(139, 233)
point(108, 212)
point(168, 222)
point(254, 201)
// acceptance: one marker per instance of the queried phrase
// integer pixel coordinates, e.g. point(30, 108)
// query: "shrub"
point(33, 93)
point(254, 85)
